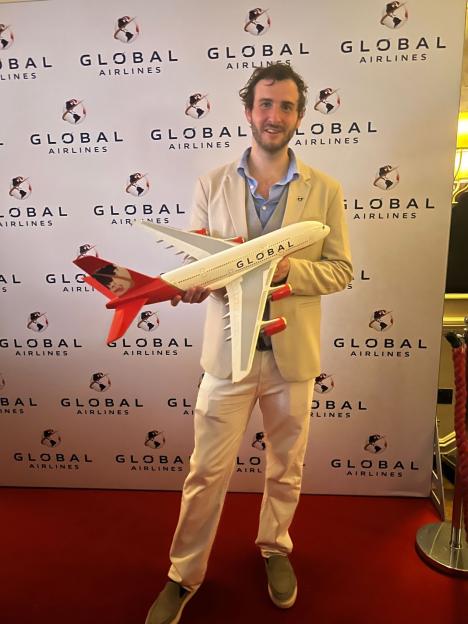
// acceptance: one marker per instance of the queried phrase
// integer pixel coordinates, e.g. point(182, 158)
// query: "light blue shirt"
point(266, 207)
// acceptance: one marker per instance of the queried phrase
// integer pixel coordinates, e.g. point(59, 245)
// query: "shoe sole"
point(179, 612)
point(285, 604)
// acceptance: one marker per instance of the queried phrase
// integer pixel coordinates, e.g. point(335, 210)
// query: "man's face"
point(274, 116)
point(121, 282)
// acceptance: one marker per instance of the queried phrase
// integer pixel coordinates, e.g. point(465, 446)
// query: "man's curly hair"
point(276, 72)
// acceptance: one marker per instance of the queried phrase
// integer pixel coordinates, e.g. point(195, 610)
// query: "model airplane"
point(245, 269)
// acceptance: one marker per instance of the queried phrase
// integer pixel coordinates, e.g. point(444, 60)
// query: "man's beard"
point(272, 148)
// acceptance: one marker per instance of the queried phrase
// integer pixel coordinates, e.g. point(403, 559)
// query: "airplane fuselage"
point(220, 263)
point(221, 268)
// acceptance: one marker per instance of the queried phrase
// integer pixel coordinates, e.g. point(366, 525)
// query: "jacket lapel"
point(298, 195)
point(234, 197)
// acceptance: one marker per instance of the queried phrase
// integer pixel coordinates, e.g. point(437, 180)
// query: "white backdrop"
point(75, 412)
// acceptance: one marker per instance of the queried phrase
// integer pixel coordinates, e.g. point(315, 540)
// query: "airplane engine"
point(274, 326)
point(280, 292)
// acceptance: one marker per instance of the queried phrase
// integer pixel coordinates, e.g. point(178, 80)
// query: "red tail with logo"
point(127, 290)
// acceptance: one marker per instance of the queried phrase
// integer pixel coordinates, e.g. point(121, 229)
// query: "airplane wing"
point(197, 246)
point(247, 298)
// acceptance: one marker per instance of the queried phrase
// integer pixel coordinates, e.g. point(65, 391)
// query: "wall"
point(75, 412)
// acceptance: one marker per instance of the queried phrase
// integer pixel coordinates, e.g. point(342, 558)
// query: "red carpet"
point(88, 556)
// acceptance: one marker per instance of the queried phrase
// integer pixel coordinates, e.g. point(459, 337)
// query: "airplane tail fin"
point(113, 282)
point(110, 279)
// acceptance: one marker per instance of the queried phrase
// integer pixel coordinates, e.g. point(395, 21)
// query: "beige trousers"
point(222, 413)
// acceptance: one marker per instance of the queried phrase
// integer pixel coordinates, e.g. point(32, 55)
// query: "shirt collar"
point(291, 174)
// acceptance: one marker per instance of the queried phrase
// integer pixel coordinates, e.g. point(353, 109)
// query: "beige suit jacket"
point(321, 269)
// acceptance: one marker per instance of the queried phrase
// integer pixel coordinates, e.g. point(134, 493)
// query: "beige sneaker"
point(282, 583)
point(168, 606)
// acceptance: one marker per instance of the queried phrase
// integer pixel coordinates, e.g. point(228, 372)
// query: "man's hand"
point(282, 270)
point(197, 294)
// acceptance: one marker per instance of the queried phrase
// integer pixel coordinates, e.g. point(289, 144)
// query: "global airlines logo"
point(327, 101)
point(323, 383)
point(384, 347)
point(364, 467)
point(87, 250)
point(23, 216)
point(18, 68)
point(167, 346)
point(138, 184)
point(51, 438)
point(121, 65)
point(2, 382)
point(384, 205)
point(259, 441)
point(155, 439)
point(250, 56)
point(381, 320)
point(205, 138)
point(74, 112)
point(70, 143)
point(6, 37)
point(152, 462)
point(20, 188)
point(375, 444)
point(384, 50)
point(321, 133)
point(49, 460)
point(103, 404)
point(257, 22)
point(100, 382)
point(148, 321)
point(327, 408)
point(387, 177)
point(196, 137)
point(49, 347)
point(395, 15)
point(157, 211)
point(127, 29)
point(197, 106)
point(37, 322)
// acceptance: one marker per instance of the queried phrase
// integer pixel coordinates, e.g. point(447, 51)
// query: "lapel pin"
point(300, 198)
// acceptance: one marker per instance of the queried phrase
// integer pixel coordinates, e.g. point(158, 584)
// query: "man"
point(269, 188)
